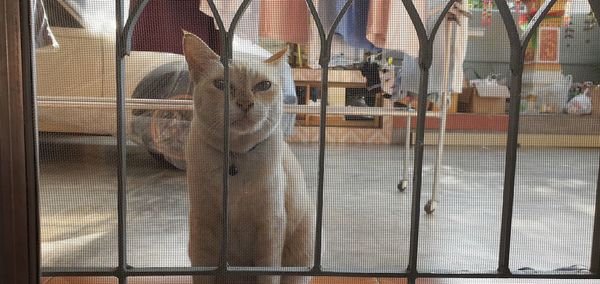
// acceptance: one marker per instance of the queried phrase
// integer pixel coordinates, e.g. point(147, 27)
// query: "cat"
point(271, 217)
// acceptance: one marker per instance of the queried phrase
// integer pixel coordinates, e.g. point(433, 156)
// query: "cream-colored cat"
point(271, 218)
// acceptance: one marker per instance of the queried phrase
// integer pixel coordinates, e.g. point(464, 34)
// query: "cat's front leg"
point(269, 244)
point(204, 244)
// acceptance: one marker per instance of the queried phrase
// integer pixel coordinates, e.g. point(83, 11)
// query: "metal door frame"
point(518, 44)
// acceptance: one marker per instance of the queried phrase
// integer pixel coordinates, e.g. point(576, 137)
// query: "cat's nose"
point(245, 105)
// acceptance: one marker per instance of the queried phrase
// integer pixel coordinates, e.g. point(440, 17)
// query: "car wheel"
point(169, 130)
point(163, 132)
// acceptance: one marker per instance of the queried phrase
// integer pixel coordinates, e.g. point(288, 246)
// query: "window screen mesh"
point(368, 171)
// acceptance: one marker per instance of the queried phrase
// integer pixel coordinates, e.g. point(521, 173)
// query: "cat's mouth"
point(242, 122)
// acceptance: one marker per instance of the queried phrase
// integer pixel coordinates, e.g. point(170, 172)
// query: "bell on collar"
point(233, 170)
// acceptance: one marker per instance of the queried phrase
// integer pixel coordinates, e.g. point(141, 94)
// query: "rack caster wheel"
point(403, 185)
point(430, 206)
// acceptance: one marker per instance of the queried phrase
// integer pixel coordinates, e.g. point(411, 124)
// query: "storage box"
point(487, 104)
point(486, 97)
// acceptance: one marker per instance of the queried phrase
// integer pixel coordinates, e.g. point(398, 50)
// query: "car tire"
point(163, 132)
point(169, 130)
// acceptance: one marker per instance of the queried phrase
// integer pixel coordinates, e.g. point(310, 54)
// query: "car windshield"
point(98, 15)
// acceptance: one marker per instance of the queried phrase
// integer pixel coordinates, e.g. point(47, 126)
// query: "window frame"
point(19, 223)
point(19, 227)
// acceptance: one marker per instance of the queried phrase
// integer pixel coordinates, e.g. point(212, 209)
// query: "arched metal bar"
point(223, 265)
point(226, 56)
point(425, 61)
point(338, 18)
point(238, 15)
point(122, 265)
point(216, 15)
point(518, 48)
point(440, 19)
point(234, 22)
point(324, 59)
point(227, 35)
point(535, 22)
point(222, 35)
point(324, 55)
point(516, 66)
point(516, 55)
point(130, 25)
point(416, 19)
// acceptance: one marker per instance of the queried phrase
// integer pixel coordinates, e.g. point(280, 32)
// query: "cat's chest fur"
point(255, 194)
point(258, 179)
point(254, 169)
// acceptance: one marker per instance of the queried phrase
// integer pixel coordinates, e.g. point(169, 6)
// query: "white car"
point(83, 68)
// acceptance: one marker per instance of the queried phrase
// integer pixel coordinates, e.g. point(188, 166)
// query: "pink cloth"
point(390, 27)
point(377, 25)
point(287, 21)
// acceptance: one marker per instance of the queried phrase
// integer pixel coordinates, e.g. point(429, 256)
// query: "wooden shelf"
point(338, 82)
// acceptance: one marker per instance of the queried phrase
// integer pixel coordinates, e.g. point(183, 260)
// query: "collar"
point(251, 149)
point(233, 169)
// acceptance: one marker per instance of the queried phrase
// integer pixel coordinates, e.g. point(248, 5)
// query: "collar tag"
point(233, 170)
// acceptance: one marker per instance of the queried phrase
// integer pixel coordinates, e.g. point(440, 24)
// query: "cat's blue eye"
point(219, 84)
point(262, 86)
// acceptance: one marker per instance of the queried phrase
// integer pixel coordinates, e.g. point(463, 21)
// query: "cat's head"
point(255, 106)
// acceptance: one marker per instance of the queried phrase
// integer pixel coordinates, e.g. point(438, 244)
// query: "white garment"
point(247, 27)
point(442, 62)
point(400, 33)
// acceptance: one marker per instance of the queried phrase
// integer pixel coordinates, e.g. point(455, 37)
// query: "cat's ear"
point(198, 55)
point(278, 57)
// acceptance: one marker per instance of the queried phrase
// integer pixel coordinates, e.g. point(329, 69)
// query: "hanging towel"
point(377, 23)
point(288, 21)
point(390, 27)
point(43, 34)
point(353, 27)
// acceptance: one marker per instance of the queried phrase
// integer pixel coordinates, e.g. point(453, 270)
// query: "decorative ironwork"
point(518, 44)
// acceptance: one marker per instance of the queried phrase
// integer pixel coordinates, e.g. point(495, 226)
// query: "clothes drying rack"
point(432, 203)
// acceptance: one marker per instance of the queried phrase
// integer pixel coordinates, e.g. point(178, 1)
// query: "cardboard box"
point(487, 97)
point(471, 101)
point(487, 104)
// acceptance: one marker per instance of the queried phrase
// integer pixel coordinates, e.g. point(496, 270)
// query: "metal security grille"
point(518, 44)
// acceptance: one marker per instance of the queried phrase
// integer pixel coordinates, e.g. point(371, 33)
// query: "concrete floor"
point(366, 220)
